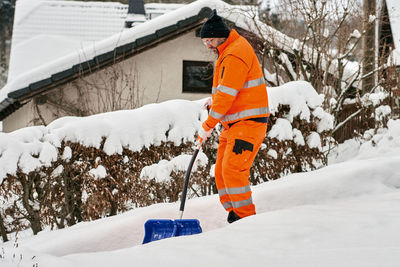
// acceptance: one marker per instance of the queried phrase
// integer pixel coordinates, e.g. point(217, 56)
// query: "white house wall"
point(19, 119)
point(161, 68)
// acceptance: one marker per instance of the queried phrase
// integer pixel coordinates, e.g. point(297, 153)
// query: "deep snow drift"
point(346, 214)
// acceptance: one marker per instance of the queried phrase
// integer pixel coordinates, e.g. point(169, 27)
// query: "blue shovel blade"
point(187, 227)
point(161, 229)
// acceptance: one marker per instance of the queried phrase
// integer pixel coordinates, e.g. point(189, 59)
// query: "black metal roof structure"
point(19, 97)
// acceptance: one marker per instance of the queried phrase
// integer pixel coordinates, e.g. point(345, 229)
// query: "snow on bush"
point(298, 130)
point(300, 96)
point(382, 112)
point(162, 170)
point(98, 173)
point(32, 147)
point(382, 142)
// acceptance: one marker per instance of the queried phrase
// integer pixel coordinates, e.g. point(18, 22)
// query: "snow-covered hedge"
point(78, 169)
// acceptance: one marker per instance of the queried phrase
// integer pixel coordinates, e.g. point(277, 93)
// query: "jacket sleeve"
point(233, 72)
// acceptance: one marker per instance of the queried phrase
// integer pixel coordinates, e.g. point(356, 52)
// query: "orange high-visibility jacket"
point(239, 90)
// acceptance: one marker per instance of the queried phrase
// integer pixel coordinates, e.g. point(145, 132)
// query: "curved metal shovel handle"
point(185, 186)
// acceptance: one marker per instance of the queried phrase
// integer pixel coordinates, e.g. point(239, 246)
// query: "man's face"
point(213, 43)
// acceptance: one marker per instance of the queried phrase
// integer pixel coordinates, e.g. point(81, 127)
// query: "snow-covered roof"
point(57, 28)
point(85, 21)
point(154, 10)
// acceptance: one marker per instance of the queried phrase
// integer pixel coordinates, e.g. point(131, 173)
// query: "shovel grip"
point(185, 186)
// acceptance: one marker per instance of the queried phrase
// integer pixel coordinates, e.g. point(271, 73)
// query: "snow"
point(376, 98)
point(300, 96)
point(176, 121)
point(298, 137)
point(57, 171)
point(98, 173)
point(133, 128)
point(67, 154)
point(273, 153)
point(54, 29)
point(384, 142)
point(296, 45)
point(46, 47)
point(371, 18)
point(345, 214)
point(281, 130)
point(326, 33)
point(356, 34)
point(326, 120)
point(154, 10)
point(33, 147)
point(162, 170)
point(382, 112)
point(314, 140)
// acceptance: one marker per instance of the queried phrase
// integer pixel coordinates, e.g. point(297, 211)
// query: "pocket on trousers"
point(241, 146)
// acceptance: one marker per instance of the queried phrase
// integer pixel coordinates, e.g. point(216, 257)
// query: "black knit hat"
point(214, 27)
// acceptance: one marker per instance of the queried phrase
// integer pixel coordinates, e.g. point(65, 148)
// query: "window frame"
point(193, 89)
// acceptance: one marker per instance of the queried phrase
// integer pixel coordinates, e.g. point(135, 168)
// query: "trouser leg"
point(237, 150)
point(219, 180)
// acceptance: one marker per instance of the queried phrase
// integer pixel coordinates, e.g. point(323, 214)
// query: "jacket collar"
point(233, 36)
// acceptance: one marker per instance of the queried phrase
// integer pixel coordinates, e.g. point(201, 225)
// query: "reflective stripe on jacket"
point(239, 90)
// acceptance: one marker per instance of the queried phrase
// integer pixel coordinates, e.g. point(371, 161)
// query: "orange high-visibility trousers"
point(237, 149)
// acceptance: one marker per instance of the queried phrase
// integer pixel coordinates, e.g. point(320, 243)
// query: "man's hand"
point(203, 135)
point(208, 103)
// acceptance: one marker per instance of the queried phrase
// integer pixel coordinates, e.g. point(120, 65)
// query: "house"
point(144, 57)
point(150, 60)
point(389, 48)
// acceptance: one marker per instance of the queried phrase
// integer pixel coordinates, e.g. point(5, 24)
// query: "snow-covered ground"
point(345, 214)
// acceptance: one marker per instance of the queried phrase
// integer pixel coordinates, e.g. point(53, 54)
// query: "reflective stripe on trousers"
point(236, 190)
point(237, 204)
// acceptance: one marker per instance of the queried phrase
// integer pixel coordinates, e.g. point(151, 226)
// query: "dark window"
point(197, 76)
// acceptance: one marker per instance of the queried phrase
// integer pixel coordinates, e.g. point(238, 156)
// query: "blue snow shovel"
point(160, 229)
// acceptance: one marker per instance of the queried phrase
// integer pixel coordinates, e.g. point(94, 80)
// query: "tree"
point(368, 45)
point(6, 22)
point(321, 45)
point(110, 89)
